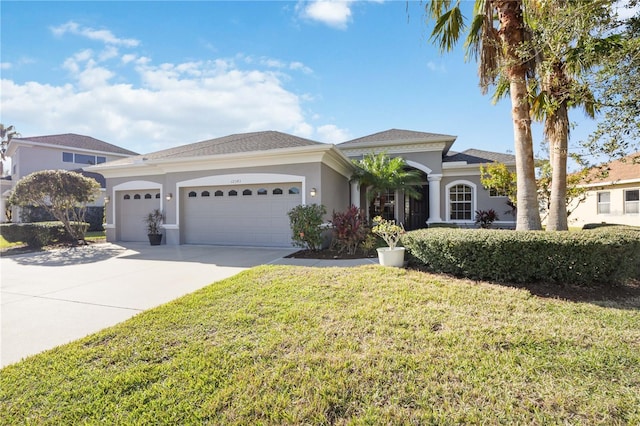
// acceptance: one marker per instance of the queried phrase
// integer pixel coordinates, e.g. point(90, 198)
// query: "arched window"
point(218, 193)
point(127, 197)
point(262, 191)
point(460, 202)
point(233, 193)
point(247, 192)
point(192, 194)
point(294, 190)
point(147, 196)
point(277, 191)
point(158, 195)
point(205, 194)
point(136, 197)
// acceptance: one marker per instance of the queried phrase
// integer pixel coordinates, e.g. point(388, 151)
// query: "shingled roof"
point(232, 144)
point(396, 135)
point(627, 168)
point(477, 156)
point(73, 140)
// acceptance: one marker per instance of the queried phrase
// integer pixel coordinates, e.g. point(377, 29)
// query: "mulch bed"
point(328, 254)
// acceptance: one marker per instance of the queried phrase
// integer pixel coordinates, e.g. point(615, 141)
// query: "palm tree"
point(381, 173)
point(566, 50)
point(496, 38)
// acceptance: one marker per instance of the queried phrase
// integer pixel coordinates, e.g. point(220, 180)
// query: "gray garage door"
point(248, 215)
point(133, 207)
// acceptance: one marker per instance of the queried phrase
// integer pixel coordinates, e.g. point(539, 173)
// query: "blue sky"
point(150, 75)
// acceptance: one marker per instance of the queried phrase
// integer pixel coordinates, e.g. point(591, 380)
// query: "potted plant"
point(390, 233)
point(153, 221)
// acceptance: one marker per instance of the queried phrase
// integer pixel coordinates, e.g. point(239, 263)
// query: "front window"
point(604, 202)
point(460, 202)
point(632, 201)
point(384, 205)
point(67, 157)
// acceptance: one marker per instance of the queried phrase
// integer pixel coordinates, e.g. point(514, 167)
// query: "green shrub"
point(38, 234)
point(93, 215)
point(602, 256)
point(305, 225)
point(599, 225)
point(443, 225)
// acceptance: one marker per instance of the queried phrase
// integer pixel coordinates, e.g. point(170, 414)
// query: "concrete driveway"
point(53, 297)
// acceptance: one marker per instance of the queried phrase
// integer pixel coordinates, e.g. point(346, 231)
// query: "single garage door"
point(248, 215)
point(133, 207)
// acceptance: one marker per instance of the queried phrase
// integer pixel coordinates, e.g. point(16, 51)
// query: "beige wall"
point(587, 211)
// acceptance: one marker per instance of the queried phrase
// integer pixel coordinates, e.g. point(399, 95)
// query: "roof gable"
point(72, 140)
point(397, 136)
point(232, 144)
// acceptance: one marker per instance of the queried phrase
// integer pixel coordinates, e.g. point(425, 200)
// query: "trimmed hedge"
point(93, 215)
point(37, 234)
point(601, 256)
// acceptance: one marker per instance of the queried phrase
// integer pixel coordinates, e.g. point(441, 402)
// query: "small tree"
point(305, 225)
point(497, 177)
point(63, 193)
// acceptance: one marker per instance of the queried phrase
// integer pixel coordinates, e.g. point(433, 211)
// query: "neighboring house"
point(237, 189)
point(613, 198)
point(55, 152)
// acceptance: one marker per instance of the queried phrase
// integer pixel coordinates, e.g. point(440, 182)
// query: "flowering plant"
point(388, 230)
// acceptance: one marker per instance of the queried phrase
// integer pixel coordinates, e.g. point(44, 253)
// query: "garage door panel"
point(259, 220)
point(133, 207)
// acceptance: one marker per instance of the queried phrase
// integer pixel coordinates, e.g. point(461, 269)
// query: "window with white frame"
point(460, 202)
point(604, 202)
point(632, 201)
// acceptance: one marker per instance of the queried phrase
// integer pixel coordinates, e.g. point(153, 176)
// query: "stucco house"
point(237, 189)
point(57, 152)
point(611, 198)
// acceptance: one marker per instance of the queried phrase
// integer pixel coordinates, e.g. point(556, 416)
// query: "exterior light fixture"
point(169, 196)
point(312, 192)
point(107, 199)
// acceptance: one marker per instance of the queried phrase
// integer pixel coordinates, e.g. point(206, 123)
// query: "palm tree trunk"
point(512, 36)
point(557, 130)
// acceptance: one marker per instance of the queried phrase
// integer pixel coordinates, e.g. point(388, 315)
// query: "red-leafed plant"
point(350, 229)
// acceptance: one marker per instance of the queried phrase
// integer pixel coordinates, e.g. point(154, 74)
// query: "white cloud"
point(145, 107)
point(333, 134)
point(432, 66)
point(176, 103)
point(104, 36)
point(5, 65)
point(334, 13)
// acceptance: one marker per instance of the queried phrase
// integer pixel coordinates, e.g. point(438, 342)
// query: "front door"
point(416, 212)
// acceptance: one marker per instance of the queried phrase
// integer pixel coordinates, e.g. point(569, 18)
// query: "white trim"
point(609, 183)
point(418, 166)
point(474, 199)
point(237, 179)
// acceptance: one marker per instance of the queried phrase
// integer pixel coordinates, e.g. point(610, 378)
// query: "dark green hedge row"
point(608, 255)
point(36, 234)
point(93, 215)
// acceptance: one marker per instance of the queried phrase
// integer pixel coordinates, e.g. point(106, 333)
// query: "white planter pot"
point(391, 257)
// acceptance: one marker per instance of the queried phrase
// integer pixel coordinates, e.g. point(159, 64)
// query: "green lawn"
point(366, 345)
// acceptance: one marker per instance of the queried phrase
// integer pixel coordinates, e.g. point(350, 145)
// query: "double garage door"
point(246, 215)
